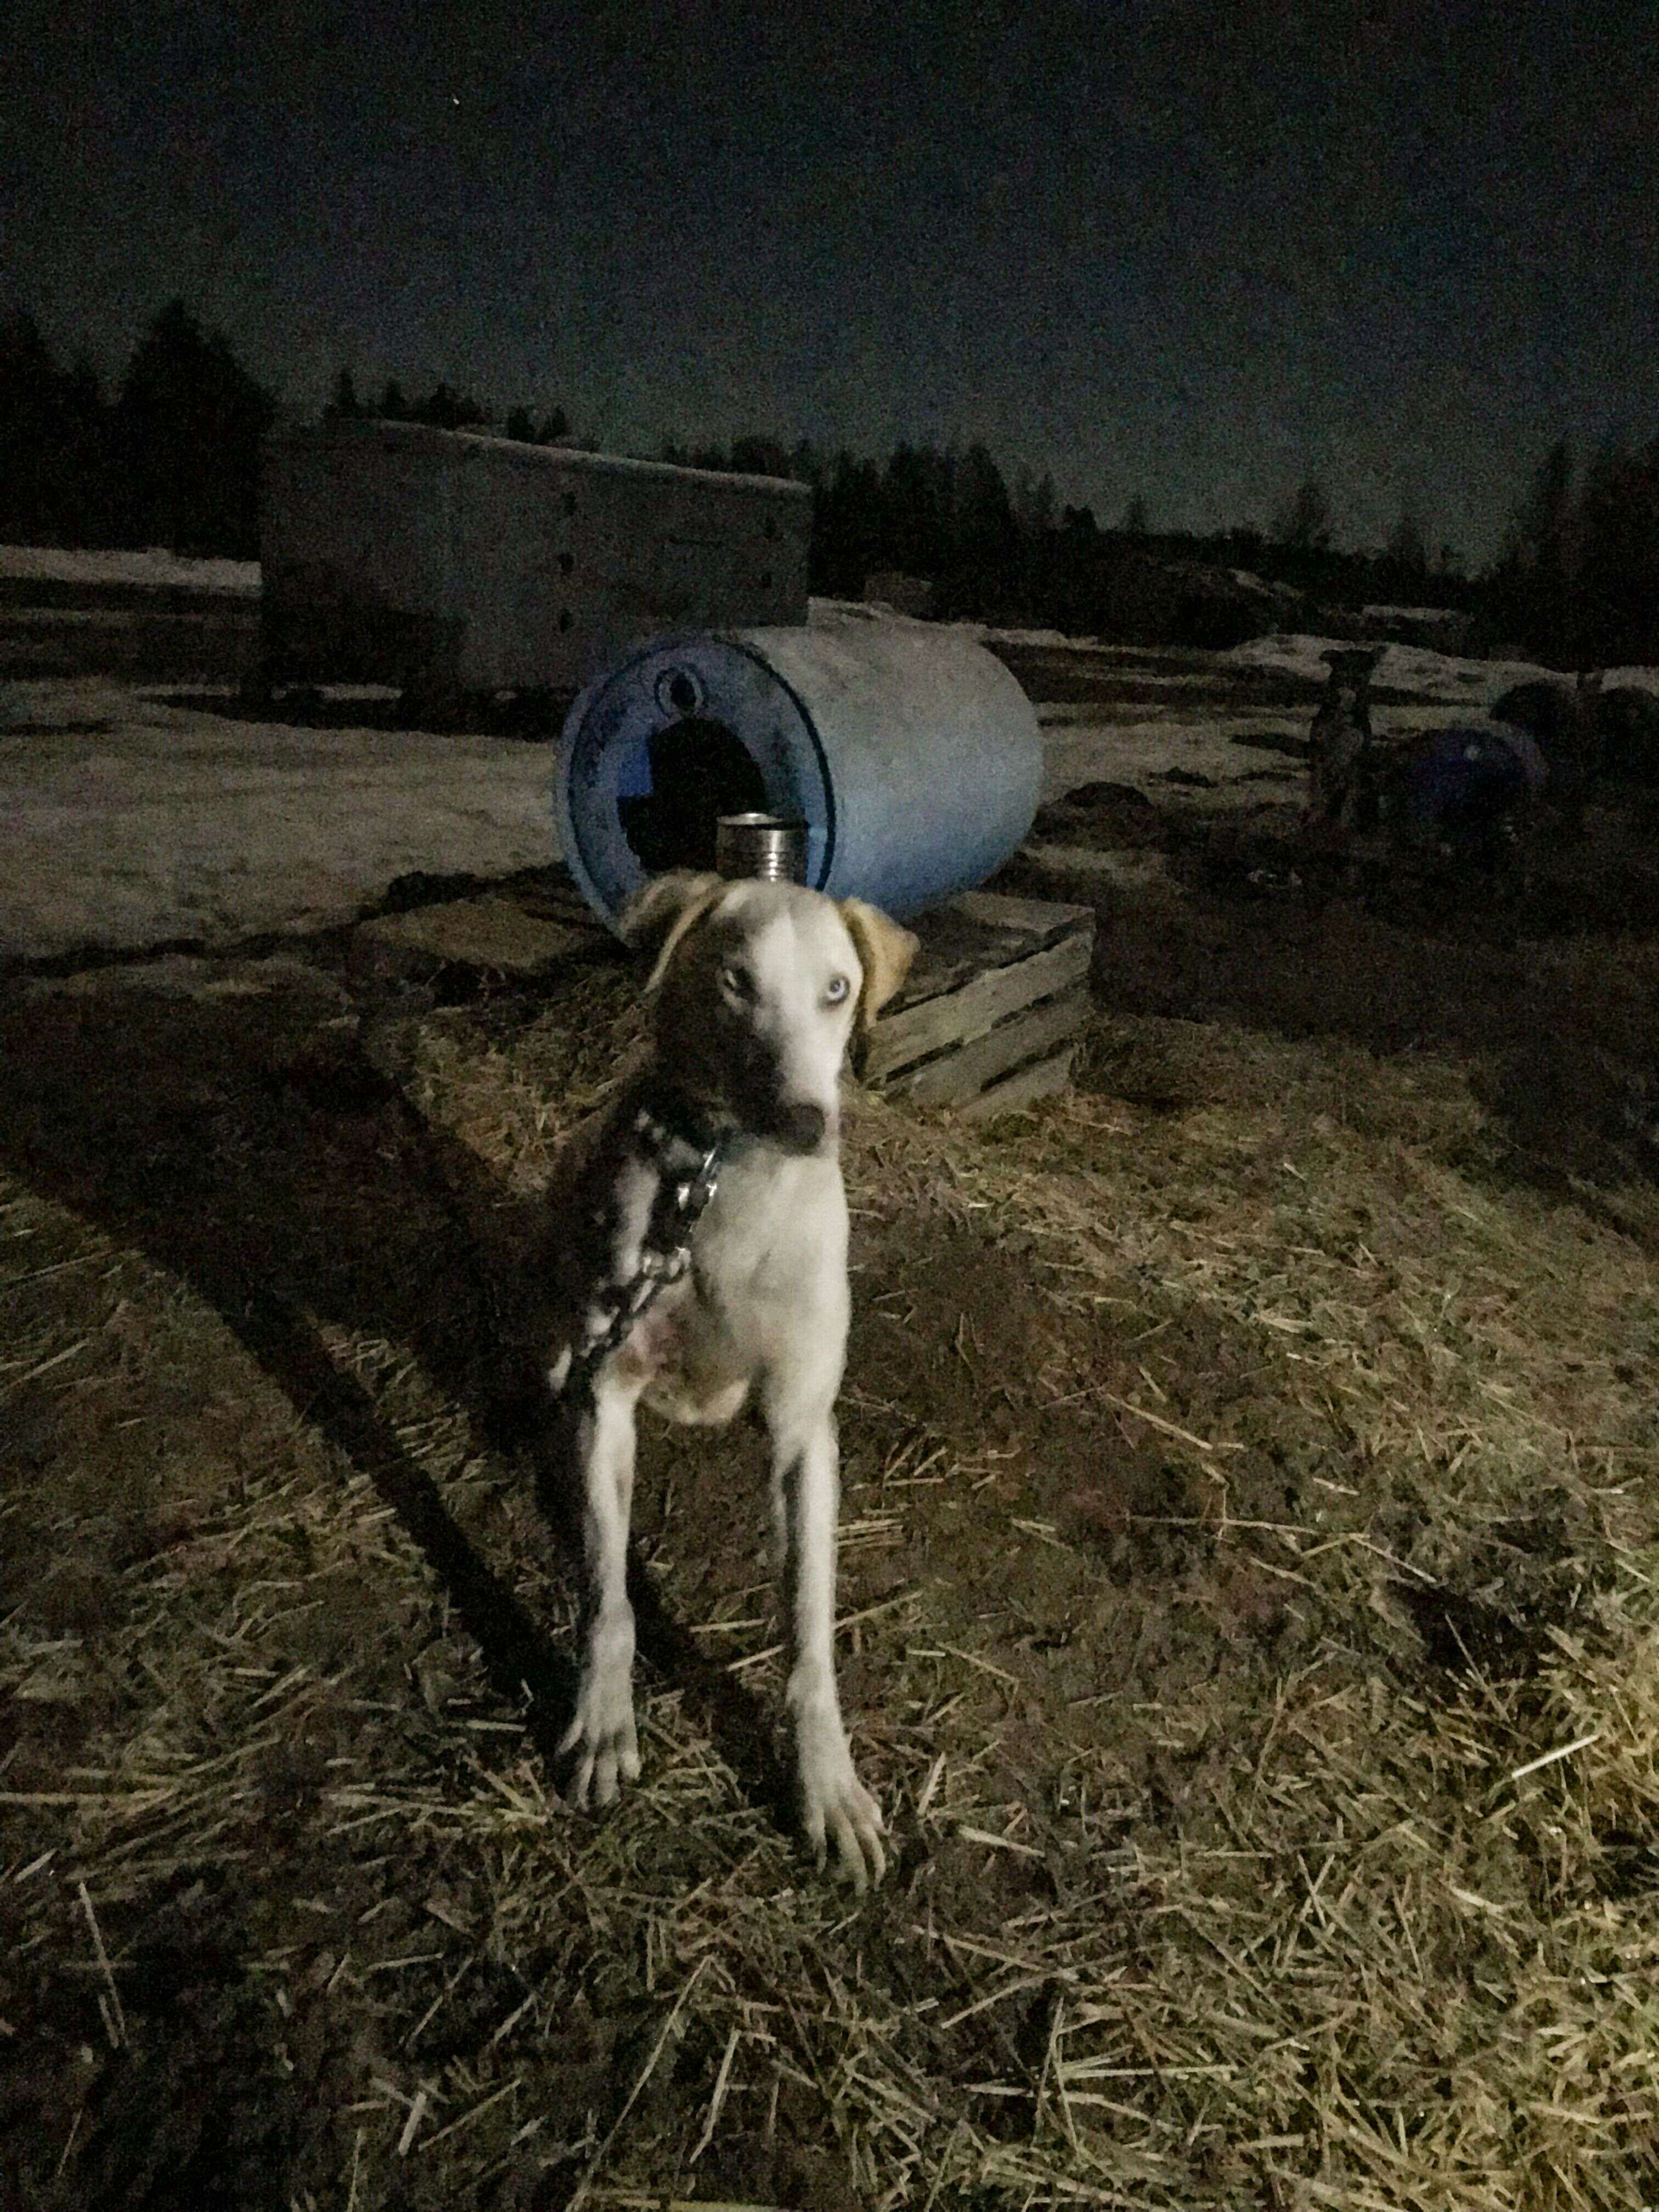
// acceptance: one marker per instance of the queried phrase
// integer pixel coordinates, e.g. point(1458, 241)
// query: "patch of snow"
point(1411, 614)
point(1129, 871)
point(56, 564)
point(1251, 582)
point(1140, 754)
point(1418, 669)
point(126, 824)
point(1053, 640)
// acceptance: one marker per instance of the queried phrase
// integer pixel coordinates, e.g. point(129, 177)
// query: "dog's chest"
point(774, 1231)
point(768, 1261)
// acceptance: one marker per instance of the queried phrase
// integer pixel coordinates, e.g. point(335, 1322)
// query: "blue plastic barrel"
point(1459, 782)
point(911, 754)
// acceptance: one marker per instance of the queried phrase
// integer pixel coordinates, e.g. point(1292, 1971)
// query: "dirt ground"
point(1550, 998)
point(1250, 1467)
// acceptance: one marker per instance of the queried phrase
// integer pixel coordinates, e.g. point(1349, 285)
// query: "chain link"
point(665, 1249)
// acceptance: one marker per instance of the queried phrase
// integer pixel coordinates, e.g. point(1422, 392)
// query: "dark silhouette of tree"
point(918, 511)
point(1037, 509)
point(520, 426)
point(393, 407)
point(447, 408)
point(186, 431)
point(53, 432)
point(1527, 598)
point(984, 508)
point(1135, 524)
point(1543, 530)
point(847, 536)
point(1059, 572)
point(1615, 583)
point(759, 457)
point(1407, 552)
point(1304, 523)
point(1037, 503)
point(345, 406)
point(982, 573)
point(749, 456)
point(716, 459)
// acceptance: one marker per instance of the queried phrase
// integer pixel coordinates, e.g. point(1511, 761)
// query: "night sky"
point(1193, 252)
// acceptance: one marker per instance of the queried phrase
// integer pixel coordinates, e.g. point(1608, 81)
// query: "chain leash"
point(681, 1201)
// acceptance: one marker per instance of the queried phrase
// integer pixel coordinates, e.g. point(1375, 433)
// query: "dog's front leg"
point(835, 1808)
point(601, 1740)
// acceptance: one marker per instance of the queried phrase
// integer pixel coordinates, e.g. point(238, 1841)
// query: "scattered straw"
point(1217, 1887)
point(585, 2185)
point(114, 2019)
point(1550, 1758)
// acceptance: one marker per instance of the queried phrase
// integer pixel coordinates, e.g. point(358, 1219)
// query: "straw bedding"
point(1249, 1624)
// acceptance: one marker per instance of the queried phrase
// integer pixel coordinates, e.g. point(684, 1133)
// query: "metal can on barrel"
point(768, 846)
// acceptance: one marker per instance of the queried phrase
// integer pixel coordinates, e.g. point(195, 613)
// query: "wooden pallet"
point(988, 1019)
point(987, 1022)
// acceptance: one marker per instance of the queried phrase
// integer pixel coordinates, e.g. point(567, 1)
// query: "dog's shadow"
point(259, 1156)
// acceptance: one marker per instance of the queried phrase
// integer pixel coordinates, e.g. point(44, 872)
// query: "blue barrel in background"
point(911, 753)
point(1459, 783)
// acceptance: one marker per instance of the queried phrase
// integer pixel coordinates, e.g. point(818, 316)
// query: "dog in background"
point(699, 1255)
point(1342, 770)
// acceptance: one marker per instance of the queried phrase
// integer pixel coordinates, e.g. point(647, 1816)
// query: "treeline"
point(1012, 552)
point(1578, 579)
point(444, 409)
point(171, 458)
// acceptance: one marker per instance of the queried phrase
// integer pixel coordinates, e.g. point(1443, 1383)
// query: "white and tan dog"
point(757, 989)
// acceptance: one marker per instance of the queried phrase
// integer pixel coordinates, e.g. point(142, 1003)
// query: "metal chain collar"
point(681, 1201)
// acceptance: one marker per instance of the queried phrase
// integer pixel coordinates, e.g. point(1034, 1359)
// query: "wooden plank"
point(964, 1073)
point(981, 930)
point(957, 1016)
point(955, 948)
point(1045, 918)
point(1043, 1078)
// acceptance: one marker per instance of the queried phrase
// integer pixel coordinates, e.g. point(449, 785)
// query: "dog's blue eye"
point(836, 990)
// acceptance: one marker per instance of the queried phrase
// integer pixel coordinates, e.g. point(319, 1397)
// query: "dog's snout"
point(801, 1125)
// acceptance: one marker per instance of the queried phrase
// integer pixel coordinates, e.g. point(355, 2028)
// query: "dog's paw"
point(837, 1812)
point(601, 1745)
point(600, 1742)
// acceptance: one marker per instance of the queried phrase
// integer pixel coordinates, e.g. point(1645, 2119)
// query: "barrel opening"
point(695, 770)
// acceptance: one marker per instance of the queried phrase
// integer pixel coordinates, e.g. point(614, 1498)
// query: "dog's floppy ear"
point(659, 918)
point(885, 952)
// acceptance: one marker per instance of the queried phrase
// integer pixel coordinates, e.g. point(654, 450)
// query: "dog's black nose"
point(801, 1126)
